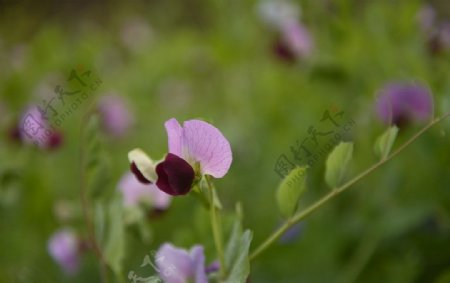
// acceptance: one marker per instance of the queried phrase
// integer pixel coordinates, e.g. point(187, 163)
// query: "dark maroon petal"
point(141, 178)
point(175, 175)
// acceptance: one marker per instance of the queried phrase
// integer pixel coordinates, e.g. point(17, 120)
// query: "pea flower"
point(195, 150)
point(63, 247)
point(294, 41)
point(177, 265)
point(437, 31)
point(135, 192)
point(115, 117)
point(402, 103)
point(35, 129)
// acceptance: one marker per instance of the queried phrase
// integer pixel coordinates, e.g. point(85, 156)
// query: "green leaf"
point(114, 250)
point(337, 164)
point(100, 221)
point(99, 177)
point(290, 190)
point(384, 142)
point(236, 254)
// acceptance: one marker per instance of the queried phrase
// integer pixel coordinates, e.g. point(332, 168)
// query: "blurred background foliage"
point(214, 60)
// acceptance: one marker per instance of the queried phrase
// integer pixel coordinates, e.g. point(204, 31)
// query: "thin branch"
point(216, 227)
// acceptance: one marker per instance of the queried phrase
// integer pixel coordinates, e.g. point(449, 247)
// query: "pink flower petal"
point(161, 200)
point(174, 133)
point(135, 192)
point(205, 144)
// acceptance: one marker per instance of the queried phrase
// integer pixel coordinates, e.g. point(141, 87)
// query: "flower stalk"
point(216, 226)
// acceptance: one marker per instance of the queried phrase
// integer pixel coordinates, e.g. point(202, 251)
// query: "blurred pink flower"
point(437, 32)
point(115, 116)
point(63, 247)
point(35, 129)
point(135, 192)
point(295, 42)
point(177, 265)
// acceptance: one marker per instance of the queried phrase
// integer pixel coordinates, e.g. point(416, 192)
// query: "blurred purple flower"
point(63, 247)
point(295, 42)
point(436, 32)
point(180, 266)
point(35, 129)
point(402, 103)
point(115, 115)
point(135, 192)
point(195, 149)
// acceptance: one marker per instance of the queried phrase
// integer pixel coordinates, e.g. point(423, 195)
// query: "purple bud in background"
point(403, 103)
point(115, 116)
point(33, 128)
point(63, 247)
point(292, 233)
point(213, 267)
point(135, 192)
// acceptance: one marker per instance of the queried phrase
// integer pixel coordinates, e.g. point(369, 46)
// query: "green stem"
point(313, 207)
point(86, 205)
point(216, 228)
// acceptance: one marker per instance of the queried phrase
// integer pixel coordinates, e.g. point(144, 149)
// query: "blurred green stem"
point(85, 205)
point(313, 207)
point(216, 226)
point(361, 257)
